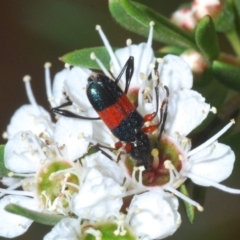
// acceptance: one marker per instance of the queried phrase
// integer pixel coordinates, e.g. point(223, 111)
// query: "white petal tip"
point(93, 56)
point(26, 78)
point(152, 23)
point(47, 65)
point(98, 27)
point(232, 121)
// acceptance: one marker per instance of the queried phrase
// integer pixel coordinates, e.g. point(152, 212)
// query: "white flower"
point(67, 228)
point(34, 142)
point(186, 107)
point(104, 165)
point(22, 153)
point(154, 214)
point(98, 196)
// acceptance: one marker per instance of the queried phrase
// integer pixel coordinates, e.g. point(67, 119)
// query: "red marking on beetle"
point(118, 145)
point(149, 117)
point(150, 129)
point(114, 114)
point(128, 147)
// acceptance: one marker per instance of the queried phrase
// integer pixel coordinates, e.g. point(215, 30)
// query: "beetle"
point(120, 115)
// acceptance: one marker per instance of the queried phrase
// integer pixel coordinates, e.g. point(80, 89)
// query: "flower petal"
point(67, 228)
point(175, 73)
point(76, 87)
point(104, 165)
point(70, 134)
point(143, 56)
point(187, 109)
point(12, 225)
point(58, 87)
point(215, 163)
point(27, 117)
point(21, 154)
point(102, 134)
point(97, 197)
point(157, 217)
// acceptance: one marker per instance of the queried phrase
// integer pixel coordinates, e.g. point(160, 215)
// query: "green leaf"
point(237, 9)
point(82, 58)
point(206, 38)
point(189, 208)
point(43, 218)
point(224, 21)
point(3, 170)
point(227, 74)
point(136, 18)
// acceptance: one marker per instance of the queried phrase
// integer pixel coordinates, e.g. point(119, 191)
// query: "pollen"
point(152, 23)
point(98, 27)
point(47, 65)
point(213, 110)
point(10, 174)
point(151, 66)
point(180, 157)
point(143, 76)
point(200, 208)
point(168, 164)
point(26, 78)
point(5, 135)
point(93, 56)
point(159, 60)
point(129, 42)
point(155, 152)
point(67, 65)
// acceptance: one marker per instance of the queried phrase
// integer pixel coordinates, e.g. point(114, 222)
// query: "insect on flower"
point(120, 115)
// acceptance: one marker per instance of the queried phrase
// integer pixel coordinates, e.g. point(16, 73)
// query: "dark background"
point(33, 32)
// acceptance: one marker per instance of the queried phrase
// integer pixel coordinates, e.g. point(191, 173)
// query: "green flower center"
point(53, 184)
point(110, 231)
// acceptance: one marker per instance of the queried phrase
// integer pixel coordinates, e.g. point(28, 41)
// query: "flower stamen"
point(183, 197)
point(100, 64)
point(212, 183)
point(212, 139)
point(109, 48)
point(31, 98)
point(47, 66)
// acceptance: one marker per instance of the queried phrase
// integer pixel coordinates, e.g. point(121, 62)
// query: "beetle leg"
point(67, 113)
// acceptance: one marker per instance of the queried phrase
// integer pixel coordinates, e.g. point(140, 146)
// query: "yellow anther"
point(155, 152)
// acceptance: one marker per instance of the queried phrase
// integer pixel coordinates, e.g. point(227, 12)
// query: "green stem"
point(234, 40)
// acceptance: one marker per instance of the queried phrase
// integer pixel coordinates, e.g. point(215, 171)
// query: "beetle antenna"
point(163, 111)
point(129, 67)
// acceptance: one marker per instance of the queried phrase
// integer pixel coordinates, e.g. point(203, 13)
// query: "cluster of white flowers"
point(188, 17)
point(91, 190)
